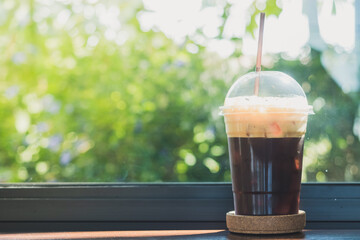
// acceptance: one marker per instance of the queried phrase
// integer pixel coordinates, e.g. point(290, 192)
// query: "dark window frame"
point(129, 206)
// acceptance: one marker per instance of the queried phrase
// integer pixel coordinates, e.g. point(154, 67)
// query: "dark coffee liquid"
point(266, 174)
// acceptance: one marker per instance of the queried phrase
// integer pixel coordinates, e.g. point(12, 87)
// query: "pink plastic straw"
point(259, 53)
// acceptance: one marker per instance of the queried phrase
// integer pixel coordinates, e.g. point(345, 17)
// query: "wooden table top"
point(182, 234)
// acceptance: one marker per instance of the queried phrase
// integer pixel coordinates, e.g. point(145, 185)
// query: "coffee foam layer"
point(286, 104)
point(265, 117)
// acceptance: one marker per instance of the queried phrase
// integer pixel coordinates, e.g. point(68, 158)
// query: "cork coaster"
point(270, 224)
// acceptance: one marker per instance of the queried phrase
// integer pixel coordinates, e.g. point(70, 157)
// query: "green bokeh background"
point(76, 107)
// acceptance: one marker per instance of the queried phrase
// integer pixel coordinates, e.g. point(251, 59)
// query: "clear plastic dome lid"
point(277, 92)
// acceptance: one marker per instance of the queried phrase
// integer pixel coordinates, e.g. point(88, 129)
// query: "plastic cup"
point(266, 139)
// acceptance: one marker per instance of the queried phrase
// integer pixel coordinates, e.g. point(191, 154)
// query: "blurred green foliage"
point(76, 106)
point(331, 150)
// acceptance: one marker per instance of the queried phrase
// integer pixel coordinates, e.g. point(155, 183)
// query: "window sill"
point(106, 207)
point(183, 234)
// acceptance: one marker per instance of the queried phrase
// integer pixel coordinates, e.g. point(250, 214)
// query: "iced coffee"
point(266, 138)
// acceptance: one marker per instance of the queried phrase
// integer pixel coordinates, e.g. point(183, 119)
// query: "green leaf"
point(333, 10)
point(270, 9)
point(252, 25)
